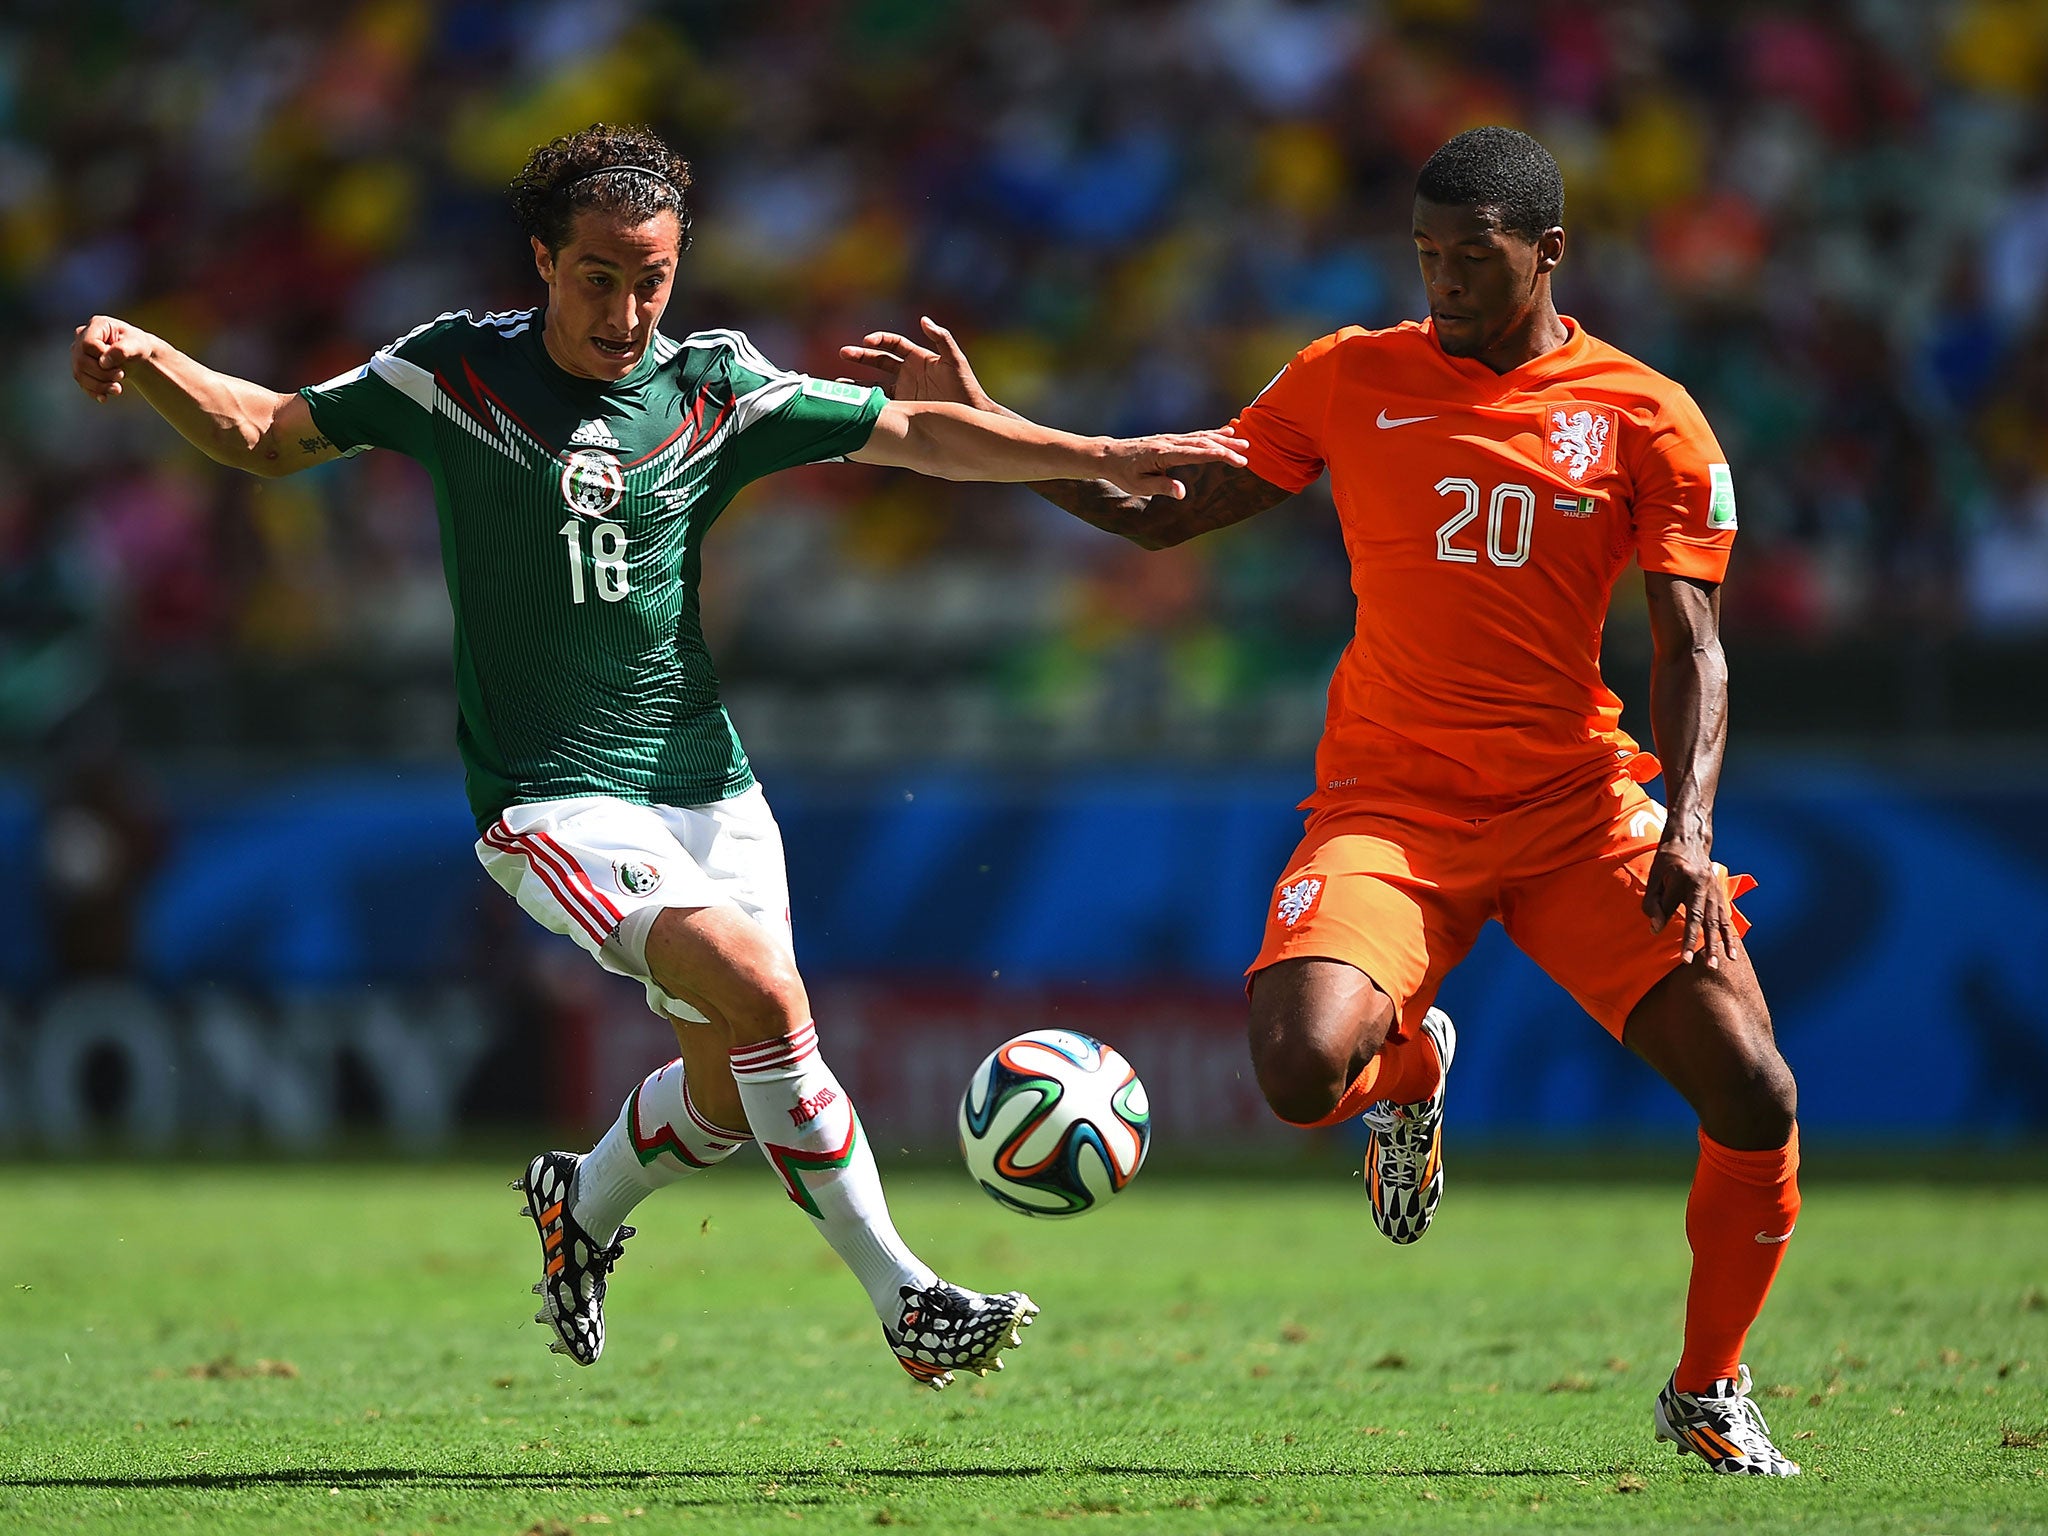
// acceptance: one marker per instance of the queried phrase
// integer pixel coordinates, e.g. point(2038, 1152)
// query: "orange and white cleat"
point(1722, 1427)
point(1404, 1161)
point(573, 1264)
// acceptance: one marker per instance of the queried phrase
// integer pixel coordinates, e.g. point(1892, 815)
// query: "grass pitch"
point(306, 1349)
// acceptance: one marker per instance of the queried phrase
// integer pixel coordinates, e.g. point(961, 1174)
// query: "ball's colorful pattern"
point(1054, 1123)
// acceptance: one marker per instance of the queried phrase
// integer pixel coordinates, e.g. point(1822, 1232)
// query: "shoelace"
point(919, 1305)
point(1400, 1149)
point(603, 1259)
point(600, 1265)
point(1745, 1426)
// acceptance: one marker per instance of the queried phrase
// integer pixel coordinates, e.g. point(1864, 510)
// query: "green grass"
point(294, 1349)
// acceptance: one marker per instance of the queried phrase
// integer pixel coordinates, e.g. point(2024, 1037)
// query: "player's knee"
point(769, 1000)
point(1301, 1078)
point(1757, 1105)
point(1312, 1030)
point(1774, 1094)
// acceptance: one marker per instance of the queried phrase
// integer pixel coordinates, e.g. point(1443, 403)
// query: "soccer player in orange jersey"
point(1495, 468)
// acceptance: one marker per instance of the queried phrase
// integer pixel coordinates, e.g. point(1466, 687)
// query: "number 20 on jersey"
point(1509, 504)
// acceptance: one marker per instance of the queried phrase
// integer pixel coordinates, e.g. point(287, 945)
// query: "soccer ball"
point(1054, 1123)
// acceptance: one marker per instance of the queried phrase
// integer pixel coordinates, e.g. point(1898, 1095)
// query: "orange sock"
point(1742, 1210)
point(1404, 1070)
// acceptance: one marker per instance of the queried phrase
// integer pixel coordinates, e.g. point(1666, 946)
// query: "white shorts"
point(579, 867)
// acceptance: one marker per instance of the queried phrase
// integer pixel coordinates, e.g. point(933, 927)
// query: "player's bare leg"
point(1316, 1026)
point(728, 966)
point(1321, 1051)
point(1708, 1032)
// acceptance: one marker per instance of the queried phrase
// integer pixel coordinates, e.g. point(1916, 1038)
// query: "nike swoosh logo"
point(1386, 421)
point(1765, 1237)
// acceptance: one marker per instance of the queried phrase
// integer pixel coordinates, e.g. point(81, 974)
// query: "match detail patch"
point(836, 389)
point(1581, 439)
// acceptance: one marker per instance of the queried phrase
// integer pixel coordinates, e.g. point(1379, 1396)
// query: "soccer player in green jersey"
point(578, 455)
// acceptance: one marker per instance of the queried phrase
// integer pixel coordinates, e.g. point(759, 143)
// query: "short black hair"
point(1500, 168)
point(626, 171)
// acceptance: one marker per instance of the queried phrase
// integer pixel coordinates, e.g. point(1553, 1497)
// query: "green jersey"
point(572, 516)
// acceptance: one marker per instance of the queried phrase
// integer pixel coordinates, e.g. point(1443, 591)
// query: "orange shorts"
point(1402, 893)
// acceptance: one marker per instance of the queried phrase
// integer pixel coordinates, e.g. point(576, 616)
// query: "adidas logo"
point(594, 434)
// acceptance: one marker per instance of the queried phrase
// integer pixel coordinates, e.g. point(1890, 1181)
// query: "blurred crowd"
point(1829, 219)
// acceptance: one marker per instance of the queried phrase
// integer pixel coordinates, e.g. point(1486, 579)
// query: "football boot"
point(573, 1263)
point(1404, 1161)
point(943, 1329)
point(1722, 1427)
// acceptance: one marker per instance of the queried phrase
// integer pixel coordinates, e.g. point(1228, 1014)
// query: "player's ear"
point(1549, 249)
point(543, 259)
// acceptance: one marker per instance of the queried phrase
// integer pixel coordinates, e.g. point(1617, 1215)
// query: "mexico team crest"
point(592, 482)
point(637, 879)
point(1580, 439)
point(1298, 900)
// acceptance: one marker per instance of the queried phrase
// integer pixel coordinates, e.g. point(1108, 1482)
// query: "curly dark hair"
point(1498, 168)
point(623, 170)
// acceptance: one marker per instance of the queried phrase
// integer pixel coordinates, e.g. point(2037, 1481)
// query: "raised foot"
point(1404, 1161)
point(574, 1265)
point(945, 1329)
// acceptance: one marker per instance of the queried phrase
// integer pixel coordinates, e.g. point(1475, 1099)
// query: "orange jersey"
point(1487, 517)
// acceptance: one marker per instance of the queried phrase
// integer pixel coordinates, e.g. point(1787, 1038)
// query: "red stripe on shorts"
point(602, 902)
point(545, 864)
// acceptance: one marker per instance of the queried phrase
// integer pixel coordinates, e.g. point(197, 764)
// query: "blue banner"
point(1900, 925)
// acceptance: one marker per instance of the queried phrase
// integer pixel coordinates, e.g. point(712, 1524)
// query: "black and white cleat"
point(1404, 1160)
point(573, 1264)
point(1723, 1427)
point(943, 1329)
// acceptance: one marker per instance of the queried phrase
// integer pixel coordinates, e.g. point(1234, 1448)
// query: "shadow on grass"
point(419, 1477)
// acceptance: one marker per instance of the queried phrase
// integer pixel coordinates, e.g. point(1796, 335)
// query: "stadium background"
point(1026, 772)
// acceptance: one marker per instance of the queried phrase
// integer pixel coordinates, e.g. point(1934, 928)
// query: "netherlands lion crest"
point(1581, 440)
point(1298, 900)
point(637, 879)
point(592, 482)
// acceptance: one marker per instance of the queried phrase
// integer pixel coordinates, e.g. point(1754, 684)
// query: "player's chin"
point(1460, 338)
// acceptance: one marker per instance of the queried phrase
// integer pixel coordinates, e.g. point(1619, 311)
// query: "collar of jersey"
point(574, 385)
point(1534, 372)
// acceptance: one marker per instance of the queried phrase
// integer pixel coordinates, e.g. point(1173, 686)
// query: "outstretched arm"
point(1214, 495)
point(1217, 495)
point(230, 420)
point(1689, 719)
point(957, 442)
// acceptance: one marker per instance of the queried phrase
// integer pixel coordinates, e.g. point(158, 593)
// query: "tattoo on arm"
point(313, 444)
point(1218, 495)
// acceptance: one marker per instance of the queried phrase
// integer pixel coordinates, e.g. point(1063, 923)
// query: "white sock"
point(658, 1138)
point(812, 1138)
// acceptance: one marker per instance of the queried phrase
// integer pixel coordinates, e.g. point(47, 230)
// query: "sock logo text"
point(807, 1110)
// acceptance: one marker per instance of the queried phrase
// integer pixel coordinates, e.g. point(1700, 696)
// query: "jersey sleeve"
point(1284, 425)
point(1684, 496)
point(782, 419)
point(388, 402)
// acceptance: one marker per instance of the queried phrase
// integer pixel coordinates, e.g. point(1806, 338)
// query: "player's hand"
point(101, 350)
point(1138, 466)
point(1683, 874)
point(935, 369)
